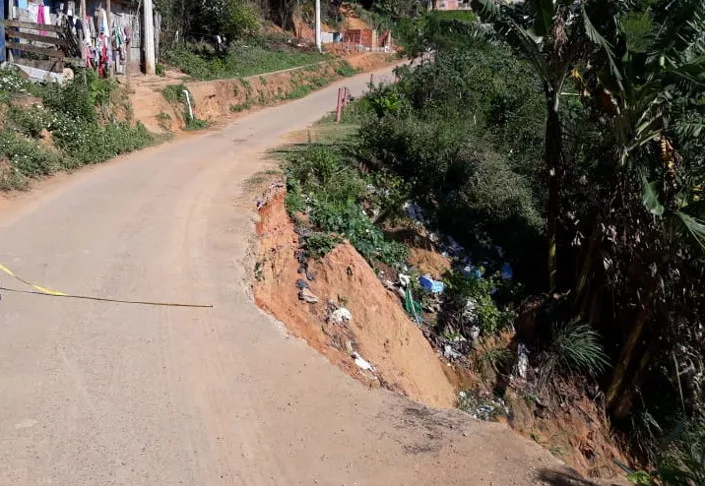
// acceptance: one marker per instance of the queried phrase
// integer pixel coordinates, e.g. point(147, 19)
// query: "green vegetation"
point(322, 183)
point(48, 128)
point(176, 95)
point(245, 58)
point(576, 157)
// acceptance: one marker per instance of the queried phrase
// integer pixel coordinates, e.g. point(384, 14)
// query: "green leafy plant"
point(577, 348)
point(318, 244)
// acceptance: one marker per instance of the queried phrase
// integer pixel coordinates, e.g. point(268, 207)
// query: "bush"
point(80, 117)
point(682, 458)
point(575, 349)
point(465, 131)
point(349, 220)
point(469, 301)
point(318, 245)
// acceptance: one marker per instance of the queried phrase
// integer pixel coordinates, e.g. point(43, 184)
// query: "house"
point(451, 5)
point(103, 48)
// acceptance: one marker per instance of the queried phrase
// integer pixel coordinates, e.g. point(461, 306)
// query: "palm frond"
point(597, 39)
point(543, 10)
point(650, 197)
point(490, 11)
point(688, 129)
point(695, 226)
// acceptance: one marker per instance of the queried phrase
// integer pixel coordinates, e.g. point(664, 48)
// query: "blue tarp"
point(431, 285)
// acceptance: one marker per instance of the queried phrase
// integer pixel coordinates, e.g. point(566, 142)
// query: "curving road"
point(110, 394)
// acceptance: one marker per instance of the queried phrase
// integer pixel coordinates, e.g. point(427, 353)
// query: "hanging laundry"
point(47, 15)
point(40, 19)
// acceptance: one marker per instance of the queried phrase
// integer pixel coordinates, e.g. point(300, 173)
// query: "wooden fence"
point(51, 41)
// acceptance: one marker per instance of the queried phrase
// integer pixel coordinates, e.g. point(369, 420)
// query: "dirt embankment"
point(379, 331)
point(224, 98)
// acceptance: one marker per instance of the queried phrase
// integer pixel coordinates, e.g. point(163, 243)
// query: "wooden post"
point(372, 80)
point(346, 95)
point(109, 14)
point(82, 14)
point(128, 59)
point(339, 108)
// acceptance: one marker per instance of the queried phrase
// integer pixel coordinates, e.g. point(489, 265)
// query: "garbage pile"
point(482, 405)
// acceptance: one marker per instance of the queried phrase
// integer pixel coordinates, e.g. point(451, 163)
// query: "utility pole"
point(148, 21)
point(318, 25)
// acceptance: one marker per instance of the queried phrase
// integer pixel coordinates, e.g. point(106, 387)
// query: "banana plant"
point(656, 92)
point(553, 36)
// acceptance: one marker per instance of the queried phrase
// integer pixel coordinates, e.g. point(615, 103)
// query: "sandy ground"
point(110, 394)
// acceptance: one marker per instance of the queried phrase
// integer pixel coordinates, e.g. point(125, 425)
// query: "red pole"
point(339, 108)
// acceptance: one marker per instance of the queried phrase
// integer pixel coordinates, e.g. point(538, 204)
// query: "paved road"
point(109, 394)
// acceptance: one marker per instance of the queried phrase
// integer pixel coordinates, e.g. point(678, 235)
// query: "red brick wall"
point(359, 36)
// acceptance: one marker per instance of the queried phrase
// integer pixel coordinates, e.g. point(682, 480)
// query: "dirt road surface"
point(98, 393)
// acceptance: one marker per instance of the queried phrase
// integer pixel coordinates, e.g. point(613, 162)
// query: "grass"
point(195, 124)
point(249, 58)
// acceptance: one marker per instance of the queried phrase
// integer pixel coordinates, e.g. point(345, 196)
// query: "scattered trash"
point(341, 315)
point(454, 247)
point(472, 271)
point(474, 333)
point(414, 211)
point(506, 273)
point(273, 187)
point(431, 285)
point(362, 363)
point(389, 285)
point(523, 361)
point(450, 353)
point(404, 279)
point(302, 284)
point(307, 296)
point(470, 311)
point(411, 306)
point(482, 405)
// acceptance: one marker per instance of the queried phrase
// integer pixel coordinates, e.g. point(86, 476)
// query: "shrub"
point(575, 348)
point(469, 301)
point(317, 244)
point(27, 158)
point(348, 219)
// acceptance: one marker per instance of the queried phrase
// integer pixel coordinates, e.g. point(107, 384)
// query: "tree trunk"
point(553, 157)
point(627, 354)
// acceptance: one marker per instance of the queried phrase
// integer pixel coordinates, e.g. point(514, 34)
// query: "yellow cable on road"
point(39, 290)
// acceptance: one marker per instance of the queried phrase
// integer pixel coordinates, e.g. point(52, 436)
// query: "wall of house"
point(364, 37)
point(447, 4)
